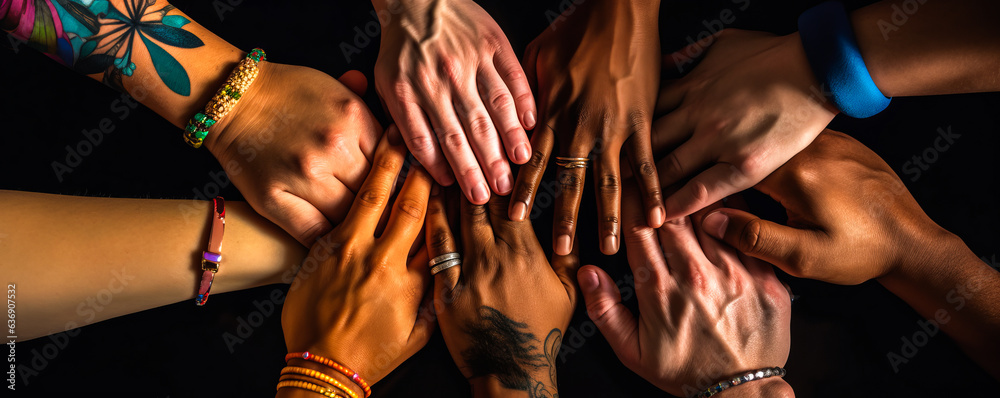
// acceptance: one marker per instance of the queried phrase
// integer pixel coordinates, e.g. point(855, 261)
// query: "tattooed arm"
point(152, 51)
point(503, 311)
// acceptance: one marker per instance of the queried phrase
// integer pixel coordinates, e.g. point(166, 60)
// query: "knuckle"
point(751, 238)
point(609, 183)
point(699, 192)
point(481, 127)
point(372, 197)
point(499, 100)
point(647, 169)
point(537, 160)
point(410, 209)
point(570, 182)
point(453, 139)
point(420, 144)
point(566, 223)
point(672, 166)
point(451, 68)
point(440, 240)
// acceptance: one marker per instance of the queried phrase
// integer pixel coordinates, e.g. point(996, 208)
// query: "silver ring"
point(442, 258)
point(445, 265)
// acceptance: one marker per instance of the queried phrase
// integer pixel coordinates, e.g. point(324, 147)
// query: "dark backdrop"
point(841, 335)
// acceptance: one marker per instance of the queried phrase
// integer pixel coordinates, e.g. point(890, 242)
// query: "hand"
point(503, 311)
point(748, 107)
point(355, 300)
point(298, 146)
point(850, 218)
point(451, 81)
point(596, 75)
point(705, 314)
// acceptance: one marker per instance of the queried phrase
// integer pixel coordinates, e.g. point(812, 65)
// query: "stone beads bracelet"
point(333, 365)
point(225, 99)
point(735, 381)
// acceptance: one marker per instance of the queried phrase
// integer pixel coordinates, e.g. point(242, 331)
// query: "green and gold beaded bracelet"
point(225, 99)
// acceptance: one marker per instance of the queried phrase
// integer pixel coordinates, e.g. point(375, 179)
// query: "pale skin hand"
point(850, 219)
point(357, 298)
point(503, 290)
point(753, 102)
point(449, 78)
point(303, 141)
point(706, 313)
point(596, 75)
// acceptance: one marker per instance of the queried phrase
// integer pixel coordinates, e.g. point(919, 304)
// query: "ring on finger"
point(572, 163)
point(438, 268)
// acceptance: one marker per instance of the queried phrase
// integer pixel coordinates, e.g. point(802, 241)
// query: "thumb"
point(604, 306)
point(777, 244)
point(355, 81)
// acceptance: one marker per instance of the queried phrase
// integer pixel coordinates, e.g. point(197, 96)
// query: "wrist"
point(770, 387)
point(491, 386)
point(923, 254)
point(801, 75)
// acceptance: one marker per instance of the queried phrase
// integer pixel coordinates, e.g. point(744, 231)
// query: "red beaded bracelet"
point(331, 364)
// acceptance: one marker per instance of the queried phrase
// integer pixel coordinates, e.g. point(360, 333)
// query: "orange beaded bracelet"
point(319, 376)
point(305, 385)
point(331, 364)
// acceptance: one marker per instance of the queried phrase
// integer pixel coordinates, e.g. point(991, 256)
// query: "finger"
point(722, 255)
point(355, 81)
point(645, 257)
point(485, 142)
point(416, 132)
point(425, 320)
point(476, 226)
point(567, 208)
point(684, 60)
point(644, 169)
point(669, 131)
point(710, 186)
point(455, 145)
point(788, 248)
point(500, 104)
point(374, 194)
point(330, 196)
point(685, 257)
point(510, 71)
point(684, 161)
point(565, 268)
point(297, 216)
point(407, 218)
point(607, 180)
point(605, 308)
point(529, 176)
point(440, 240)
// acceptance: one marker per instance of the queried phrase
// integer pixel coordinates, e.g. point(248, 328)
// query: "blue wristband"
point(835, 59)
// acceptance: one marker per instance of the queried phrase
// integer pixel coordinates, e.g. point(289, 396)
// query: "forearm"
point(930, 49)
point(959, 293)
point(80, 260)
point(492, 387)
point(149, 51)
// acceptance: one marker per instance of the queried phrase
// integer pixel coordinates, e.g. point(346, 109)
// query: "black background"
point(841, 335)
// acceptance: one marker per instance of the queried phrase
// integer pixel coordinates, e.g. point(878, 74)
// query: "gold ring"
point(572, 163)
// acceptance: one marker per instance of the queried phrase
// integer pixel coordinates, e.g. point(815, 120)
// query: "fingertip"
point(715, 224)
point(563, 245)
point(528, 120)
point(588, 280)
point(518, 211)
point(657, 216)
point(522, 154)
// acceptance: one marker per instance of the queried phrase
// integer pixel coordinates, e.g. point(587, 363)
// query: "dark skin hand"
point(595, 73)
point(851, 219)
point(503, 311)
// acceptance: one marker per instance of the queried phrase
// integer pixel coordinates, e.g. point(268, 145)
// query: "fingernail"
point(610, 244)
point(656, 217)
point(504, 184)
point(519, 211)
point(715, 224)
point(588, 281)
point(522, 153)
point(481, 193)
point(564, 245)
point(529, 120)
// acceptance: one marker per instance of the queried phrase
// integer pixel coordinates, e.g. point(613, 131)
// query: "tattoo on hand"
point(506, 350)
point(95, 37)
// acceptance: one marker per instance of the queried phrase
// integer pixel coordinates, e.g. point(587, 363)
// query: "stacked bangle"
point(295, 370)
point(225, 99)
point(212, 258)
point(735, 381)
point(833, 53)
point(333, 365)
point(305, 385)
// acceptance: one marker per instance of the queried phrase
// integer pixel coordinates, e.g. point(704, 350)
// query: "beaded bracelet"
point(305, 385)
point(749, 376)
point(331, 364)
point(319, 376)
point(225, 99)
